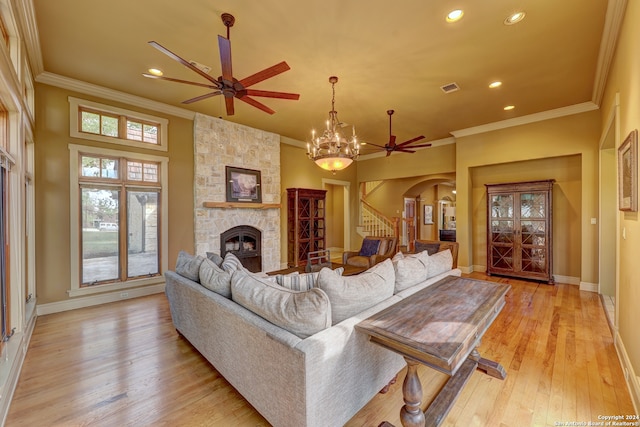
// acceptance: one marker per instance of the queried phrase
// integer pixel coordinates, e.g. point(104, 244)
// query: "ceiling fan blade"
point(228, 101)
point(265, 74)
point(151, 76)
point(225, 58)
point(271, 94)
point(404, 150)
point(417, 138)
point(257, 104)
point(184, 62)
point(419, 146)
point(201, 97)
point(376, 145)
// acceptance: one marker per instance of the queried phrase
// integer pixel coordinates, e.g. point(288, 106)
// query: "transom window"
point(106, 124)
point(120, 201)
point(99, 122)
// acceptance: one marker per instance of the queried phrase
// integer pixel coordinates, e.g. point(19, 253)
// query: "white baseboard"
point(569, 280)
point(80, 302)
point(13, 354)
point(589, 287)
point(633, 381)
point(480, 268)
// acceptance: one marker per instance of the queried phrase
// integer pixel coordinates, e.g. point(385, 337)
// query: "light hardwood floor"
point(123, 364)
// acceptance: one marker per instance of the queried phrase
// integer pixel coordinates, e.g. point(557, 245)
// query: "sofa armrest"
point(348, 254)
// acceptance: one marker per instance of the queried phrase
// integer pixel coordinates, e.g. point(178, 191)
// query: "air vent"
point(201, 67)
point(451, 87)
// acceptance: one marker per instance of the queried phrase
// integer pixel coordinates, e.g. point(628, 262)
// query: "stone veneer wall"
point(219, 143)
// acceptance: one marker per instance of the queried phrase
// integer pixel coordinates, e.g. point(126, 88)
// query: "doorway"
point(409, 223)
point(337, 217)
point(608, 256)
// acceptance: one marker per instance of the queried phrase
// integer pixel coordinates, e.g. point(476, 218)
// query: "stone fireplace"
point(219, 143)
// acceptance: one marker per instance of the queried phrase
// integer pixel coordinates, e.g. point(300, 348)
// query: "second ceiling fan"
point(404, 147)
point(226, 84)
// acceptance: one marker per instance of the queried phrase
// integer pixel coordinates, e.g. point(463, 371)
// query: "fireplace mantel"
point(236, 205)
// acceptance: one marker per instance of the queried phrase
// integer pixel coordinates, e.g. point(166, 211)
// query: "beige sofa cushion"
point(440, 262)
point(188, 265)
point(410, 269)
point(215, 278)
point(349, 295)
point(301, 313)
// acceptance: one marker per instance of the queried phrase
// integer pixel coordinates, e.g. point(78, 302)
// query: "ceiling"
point(387, 55)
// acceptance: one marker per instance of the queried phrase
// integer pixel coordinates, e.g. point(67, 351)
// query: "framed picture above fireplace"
point(243, 185)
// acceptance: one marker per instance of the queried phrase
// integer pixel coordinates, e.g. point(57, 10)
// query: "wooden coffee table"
point(439, 326)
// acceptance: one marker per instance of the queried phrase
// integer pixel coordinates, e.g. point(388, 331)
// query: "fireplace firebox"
point(244, 242)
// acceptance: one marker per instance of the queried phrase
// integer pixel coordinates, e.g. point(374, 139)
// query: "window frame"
point(75, 152)
point(76, 105)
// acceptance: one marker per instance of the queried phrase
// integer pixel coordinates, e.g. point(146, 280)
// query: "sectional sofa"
point(288, 343)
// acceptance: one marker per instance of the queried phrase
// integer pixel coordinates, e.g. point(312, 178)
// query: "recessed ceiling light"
point(495, 84)
point(514, 18)
point(155, 71)
point(509, 107)
point(455, 15)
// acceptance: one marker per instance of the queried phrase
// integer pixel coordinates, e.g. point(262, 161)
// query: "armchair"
point(373, 251)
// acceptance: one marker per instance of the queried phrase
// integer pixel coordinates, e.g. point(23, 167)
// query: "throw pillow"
point(188, 265)
point(301, 282)
point(410, 270)
point(369, 247)
point(440, 262)
point(301, 313)
point(349, 295)
point(215, 258)
point(215, 278)
point(231, 263)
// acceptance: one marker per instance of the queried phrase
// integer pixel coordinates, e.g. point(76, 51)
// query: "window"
point(121, 210)
point(99, 122)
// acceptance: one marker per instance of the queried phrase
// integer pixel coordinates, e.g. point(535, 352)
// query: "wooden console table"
point(439, 326)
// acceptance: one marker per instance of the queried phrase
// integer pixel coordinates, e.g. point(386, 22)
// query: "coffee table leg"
point(490, 367)
point(411, 414)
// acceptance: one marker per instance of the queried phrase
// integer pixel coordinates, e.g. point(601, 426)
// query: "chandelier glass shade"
point(331, 150)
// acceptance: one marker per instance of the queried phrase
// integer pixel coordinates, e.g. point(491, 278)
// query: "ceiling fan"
point(226, 84)
point(403, 147)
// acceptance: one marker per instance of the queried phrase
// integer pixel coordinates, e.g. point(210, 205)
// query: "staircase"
point(373, 222)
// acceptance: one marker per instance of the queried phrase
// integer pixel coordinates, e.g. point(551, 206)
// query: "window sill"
point(90, 290)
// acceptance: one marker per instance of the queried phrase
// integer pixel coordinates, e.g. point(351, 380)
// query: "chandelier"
point(331, 150)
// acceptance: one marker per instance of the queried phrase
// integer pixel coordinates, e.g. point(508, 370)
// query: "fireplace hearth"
point(244, 242)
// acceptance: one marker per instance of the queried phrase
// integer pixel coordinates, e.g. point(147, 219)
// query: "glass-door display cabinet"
point(519, 230)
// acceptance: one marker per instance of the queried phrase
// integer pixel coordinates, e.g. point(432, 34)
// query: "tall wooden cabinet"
point(305, 224)
point(519, 230)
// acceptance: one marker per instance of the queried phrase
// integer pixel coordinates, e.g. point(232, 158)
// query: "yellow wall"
point(566, 136)
point(624, 78)
point(52, 188)
point(566, 206)
point(335, 216)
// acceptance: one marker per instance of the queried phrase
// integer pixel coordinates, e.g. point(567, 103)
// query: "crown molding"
point(612, 24)
point(29, 33)
point(111, 94)
point(531, 118)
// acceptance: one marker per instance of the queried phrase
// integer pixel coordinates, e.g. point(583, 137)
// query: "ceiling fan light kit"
point(332, 151)
point(227, 85)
